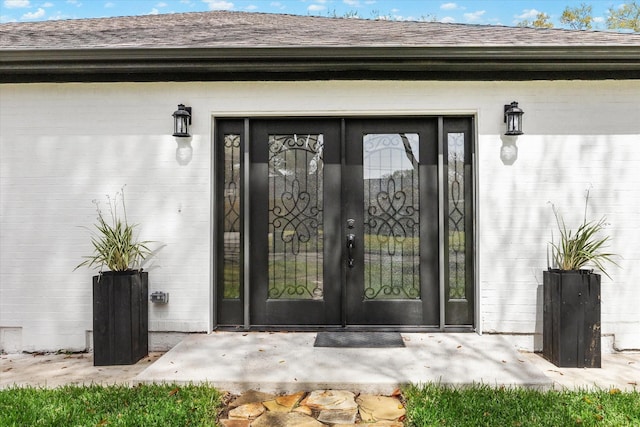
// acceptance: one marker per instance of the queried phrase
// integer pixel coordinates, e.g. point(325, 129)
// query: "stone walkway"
point(339, 408)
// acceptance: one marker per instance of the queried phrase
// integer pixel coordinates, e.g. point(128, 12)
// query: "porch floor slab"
point(289, 362)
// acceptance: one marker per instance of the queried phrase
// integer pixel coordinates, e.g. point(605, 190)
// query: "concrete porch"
point(288, 362)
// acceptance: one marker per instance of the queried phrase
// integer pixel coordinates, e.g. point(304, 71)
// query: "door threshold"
point(351, 328)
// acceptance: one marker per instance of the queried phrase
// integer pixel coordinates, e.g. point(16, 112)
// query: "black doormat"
point(359, 339)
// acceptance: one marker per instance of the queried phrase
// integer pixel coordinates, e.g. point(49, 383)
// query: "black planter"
point(120, 318)
point(571, 324)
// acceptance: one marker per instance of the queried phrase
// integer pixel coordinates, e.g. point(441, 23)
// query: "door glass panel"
point(231, 221)
point(295, 216)
point(391, 216)
point(456, 225)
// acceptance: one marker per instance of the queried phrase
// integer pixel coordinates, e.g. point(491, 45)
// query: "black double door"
point(339, 223)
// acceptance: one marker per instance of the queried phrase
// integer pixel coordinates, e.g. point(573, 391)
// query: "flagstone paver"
point(235, 423)
point(337, 408)
point(378, 408)
point(303, 410)
point(249, 411)
point(281, 419)
point(291, 400)
point(251, 396)
point(338, 416)
point(331, 399)
point(377, 424)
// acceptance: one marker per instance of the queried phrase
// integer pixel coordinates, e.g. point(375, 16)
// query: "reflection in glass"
point(456, 227)
point(391, 216)
point(231, 221)
point(295, 216)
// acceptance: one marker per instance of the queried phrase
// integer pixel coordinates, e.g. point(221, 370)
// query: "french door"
point(344, 222)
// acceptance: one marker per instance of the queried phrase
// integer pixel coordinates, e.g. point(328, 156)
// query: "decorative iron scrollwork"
point(295, 216)
point(456, 217)
point(232, 183)
point(231, 216)
point(391, 216)
point(391, 219)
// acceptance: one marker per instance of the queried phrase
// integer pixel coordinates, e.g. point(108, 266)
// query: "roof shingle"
point(240, 29)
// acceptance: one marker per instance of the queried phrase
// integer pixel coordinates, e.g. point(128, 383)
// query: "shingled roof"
point(240, 29)
point(237, 45)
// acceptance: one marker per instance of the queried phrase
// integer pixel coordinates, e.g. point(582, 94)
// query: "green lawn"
point(430, 405)
point(147, 405)
point(434, 405)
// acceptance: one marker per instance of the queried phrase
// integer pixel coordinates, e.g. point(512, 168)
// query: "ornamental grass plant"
point(114, 244)
point(583, 248)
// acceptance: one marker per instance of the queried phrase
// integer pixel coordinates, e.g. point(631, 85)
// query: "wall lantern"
point(513, 119)
point(181, 121)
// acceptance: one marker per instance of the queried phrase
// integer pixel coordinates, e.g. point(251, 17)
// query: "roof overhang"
point(321, 63)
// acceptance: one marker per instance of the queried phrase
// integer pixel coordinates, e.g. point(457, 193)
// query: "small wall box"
point(160, 297)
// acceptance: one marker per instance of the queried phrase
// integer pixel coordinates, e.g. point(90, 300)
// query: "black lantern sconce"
point(513, 119)
point(181, 121)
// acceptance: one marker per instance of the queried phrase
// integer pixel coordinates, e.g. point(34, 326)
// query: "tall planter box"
point(571, 323)
point(120, 318)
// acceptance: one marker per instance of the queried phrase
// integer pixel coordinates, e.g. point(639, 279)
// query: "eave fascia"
point(300, 63)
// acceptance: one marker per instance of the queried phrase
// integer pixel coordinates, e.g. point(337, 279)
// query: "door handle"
point(351, 245)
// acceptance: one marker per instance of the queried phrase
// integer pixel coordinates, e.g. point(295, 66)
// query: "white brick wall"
point(573, 142)
point(62, 145)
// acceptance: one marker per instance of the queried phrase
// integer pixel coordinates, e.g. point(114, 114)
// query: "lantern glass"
point(181, 126)
point(181, 121)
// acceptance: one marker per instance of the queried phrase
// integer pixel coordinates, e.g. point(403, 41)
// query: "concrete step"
point(277, 362)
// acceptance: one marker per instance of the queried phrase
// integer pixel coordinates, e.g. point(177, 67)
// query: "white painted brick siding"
point(65, 145)
point(62, 145)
